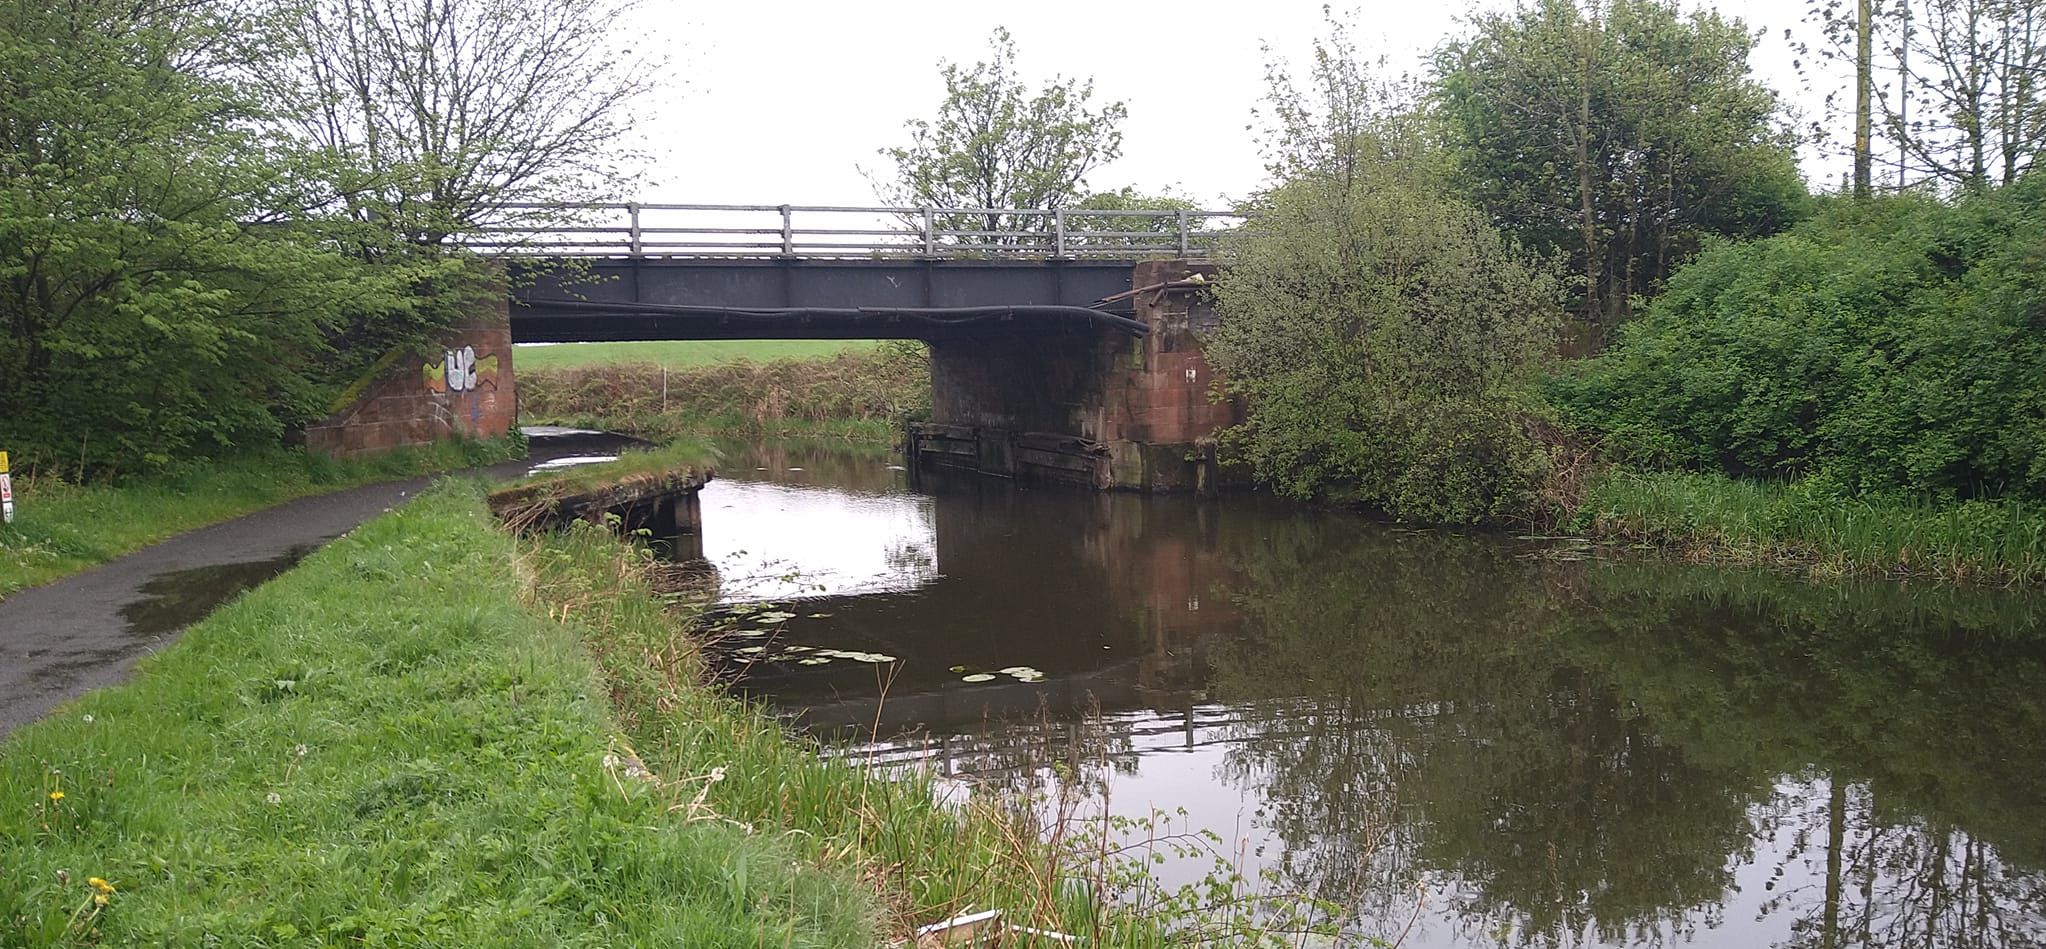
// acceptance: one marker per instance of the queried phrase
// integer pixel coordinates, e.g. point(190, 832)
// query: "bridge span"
point(1065, 344)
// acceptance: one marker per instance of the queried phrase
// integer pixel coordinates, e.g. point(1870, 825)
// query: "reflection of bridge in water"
point(1107, 596)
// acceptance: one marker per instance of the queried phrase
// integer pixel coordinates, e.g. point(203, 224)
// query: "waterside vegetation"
point(861, 395)
point(436, 731)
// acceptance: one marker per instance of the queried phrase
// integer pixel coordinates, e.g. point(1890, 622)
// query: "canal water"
point(1460, 740)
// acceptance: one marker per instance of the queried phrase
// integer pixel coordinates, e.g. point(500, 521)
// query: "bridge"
point(1064, 342)
point(706, 271)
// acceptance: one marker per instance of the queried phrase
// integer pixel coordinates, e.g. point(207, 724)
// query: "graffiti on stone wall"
point(460, 371)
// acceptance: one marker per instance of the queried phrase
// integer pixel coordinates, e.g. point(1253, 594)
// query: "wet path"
point(62, 639)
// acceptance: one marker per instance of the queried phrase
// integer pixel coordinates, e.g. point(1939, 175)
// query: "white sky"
point(783, 102)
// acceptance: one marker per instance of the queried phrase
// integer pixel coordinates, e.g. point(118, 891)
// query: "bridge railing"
point(632, 229)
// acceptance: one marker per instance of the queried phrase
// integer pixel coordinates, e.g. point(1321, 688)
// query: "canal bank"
point(432, 732)
point(62, 639)
point(1460, 740)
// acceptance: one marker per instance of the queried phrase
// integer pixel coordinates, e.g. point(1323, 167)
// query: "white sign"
point(6, 498)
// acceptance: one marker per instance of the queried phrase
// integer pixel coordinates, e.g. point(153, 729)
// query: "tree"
point(1616, 135)
point(995, 144)
point(153, 303)
point(1376, 326)
point(442, 116)
point(1966, 107)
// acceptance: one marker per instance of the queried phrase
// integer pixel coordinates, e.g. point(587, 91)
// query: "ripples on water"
point(1547, 749)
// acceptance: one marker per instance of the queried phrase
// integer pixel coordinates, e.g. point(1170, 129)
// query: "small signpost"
point(6, 492)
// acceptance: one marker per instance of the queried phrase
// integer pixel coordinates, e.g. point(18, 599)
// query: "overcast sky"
point(779, 102)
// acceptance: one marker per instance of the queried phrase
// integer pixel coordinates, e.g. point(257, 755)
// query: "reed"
point(1804, 524)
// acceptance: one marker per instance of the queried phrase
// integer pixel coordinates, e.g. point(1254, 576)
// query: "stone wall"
point(464, 389)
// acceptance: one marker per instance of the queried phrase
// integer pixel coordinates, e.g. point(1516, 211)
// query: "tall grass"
point(1718, 518)
point(61, 527)
point(861, 394)
point(1047, 865)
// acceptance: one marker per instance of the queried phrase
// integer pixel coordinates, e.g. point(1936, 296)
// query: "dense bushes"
point(1892, 347)
point(1380, 331)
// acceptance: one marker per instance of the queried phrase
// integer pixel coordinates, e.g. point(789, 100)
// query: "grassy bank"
point(683, 354)
point(1716, 518)
point(381, 748)
point(62, 528)
point(432, 734)
point(860, 395)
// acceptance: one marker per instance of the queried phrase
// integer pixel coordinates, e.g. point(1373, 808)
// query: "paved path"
point(62, 639)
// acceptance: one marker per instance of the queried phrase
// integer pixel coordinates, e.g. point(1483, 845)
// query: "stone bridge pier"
point(1085, 406)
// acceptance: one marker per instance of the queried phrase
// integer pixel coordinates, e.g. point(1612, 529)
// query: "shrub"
point(1379, 331)
point(1890, 347)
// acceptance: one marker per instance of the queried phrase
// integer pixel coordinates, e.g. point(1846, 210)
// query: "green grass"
point(861, 395)
point(430, 733)
point(384, 747)
point(62, 528)
point(683, 354)
point(1714, 517)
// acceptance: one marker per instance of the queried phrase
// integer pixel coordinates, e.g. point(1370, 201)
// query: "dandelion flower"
point(56, 796)
point(101, 890)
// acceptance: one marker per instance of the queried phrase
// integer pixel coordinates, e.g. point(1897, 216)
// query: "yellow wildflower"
point(101, 890)
point(56, 796)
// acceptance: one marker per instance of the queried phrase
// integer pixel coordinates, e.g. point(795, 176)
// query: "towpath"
point(62, 639)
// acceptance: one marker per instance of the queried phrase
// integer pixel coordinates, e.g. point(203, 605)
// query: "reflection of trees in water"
point(1602, 768)
point(1888, 880)
point(1926, 826)
point(912, 558)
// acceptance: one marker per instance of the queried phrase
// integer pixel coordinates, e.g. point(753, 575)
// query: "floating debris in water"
point(978, 677)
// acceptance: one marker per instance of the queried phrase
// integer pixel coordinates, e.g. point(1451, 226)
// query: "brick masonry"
point(464, 389)
point(1144, 403)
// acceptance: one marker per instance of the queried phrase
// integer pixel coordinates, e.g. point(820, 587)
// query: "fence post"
point(632, 213)
point(930, 239)
point(1058, 233)
point(788, 234)
point(1183, 243)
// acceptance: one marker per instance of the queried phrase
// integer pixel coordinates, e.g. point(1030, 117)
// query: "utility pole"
point(1864, 88)
point(1904, 99)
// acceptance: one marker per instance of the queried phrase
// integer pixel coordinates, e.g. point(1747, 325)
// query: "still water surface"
point(1465, 740)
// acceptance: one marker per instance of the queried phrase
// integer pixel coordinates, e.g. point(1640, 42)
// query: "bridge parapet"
point(633, 229)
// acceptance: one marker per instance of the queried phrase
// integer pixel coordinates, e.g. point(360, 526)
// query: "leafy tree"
point(1376, 327)
point(1162, 219)
point(996, 144)
point(151, 301)
point(1619, 135)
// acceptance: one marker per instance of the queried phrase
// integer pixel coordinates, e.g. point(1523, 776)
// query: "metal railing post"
point(1183, 242)
point(788, 233)
point(930, 238)
point(632, 212)
point(1058, 233)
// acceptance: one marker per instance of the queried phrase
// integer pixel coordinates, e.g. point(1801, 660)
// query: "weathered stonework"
point(465, 389)
point(1086, 407)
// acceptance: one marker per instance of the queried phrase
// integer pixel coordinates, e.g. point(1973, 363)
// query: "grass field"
point(682, 354)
